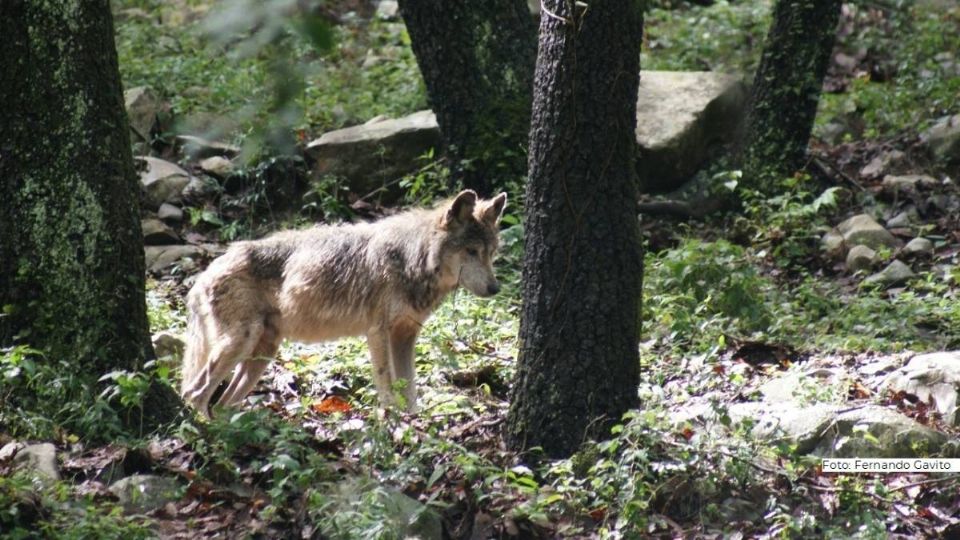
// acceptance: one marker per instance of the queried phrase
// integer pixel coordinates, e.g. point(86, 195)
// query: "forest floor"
point(730, 304)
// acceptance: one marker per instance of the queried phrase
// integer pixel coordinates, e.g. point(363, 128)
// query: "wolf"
point(380, 279)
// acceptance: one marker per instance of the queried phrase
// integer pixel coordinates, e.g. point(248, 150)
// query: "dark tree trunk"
point(578, 368)
point(786, 90)
point(477, 62)
point(71, 257)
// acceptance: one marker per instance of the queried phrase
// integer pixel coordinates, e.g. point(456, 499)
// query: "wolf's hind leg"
point(230, 347)
point(248, 372)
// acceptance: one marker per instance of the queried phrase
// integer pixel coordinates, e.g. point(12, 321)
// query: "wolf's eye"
point(472, 252)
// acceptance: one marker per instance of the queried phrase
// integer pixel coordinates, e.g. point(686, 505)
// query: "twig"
point(826, 167)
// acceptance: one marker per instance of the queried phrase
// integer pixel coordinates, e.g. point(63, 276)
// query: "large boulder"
point(38, 460)
point(873, 431)
point(934, 378)
point(162, 181)
point(681, 117)
point(943, 139)
point(144, 492)
point(143, 111)
point(864, 230)
point(371, 155)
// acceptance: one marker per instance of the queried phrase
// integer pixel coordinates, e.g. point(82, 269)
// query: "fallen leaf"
point(332, 404)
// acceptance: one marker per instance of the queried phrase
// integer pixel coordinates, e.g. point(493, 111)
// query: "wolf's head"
point(472, 237)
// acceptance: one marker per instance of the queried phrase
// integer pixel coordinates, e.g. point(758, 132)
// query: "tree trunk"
point(578, 368)
point(71, 256)
point(477, 62)
point(786, 90)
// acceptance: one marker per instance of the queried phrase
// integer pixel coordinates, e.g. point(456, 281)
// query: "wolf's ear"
point(462, 206)
point(493, 210)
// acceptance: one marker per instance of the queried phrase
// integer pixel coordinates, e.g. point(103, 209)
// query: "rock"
point(933, 378)
point(38, 459)
point(158, 233)
point(894, 274)
point(882, 163)
point(170, 213)
point(907, 182)
point(681, 117)
point(162, 182)
point(864, 230)
point(218, 166)
point(788, 421)
point(369, 156)
point(918, 246)
point(943, 139)
point(403, 517)
point(832, 243)
point(160, 257)
point(9, 450)
point(143, 107)
point(168, 344)
point(200, 189)
point(388, 10)
point(200, 148)
point(872, 431)
point(902, 220)
point(861, 258)
point(142, 493)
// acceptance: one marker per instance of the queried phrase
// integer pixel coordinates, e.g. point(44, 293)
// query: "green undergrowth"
point(32, 508)
point(919, 81)
point(217, 80)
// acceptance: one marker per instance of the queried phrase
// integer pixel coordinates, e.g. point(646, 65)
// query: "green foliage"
point(46, 398)
point(47, 509)
point(725, 36)
point(916, 47)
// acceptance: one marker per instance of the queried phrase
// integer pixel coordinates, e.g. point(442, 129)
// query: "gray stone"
point(832, 243)
point(199, 189)
point(170, 213)
point(943, 139)
point(882, 164)
point(158, 233)
point(38, 459)
point(787, 422)
point(143, 106)
point(160, 257)
point(918, 246)
point(894, 274)
point(218, 166)
point(900, 221)
point(388, 10)
point(861, 258)
point(201, 148)
point(864, 230)
point(168, 344)
point(370, 156)
point(9, 450)
point(403, 517)
point(142, 493)
point(907, 182)
point(872, 431)
point(681, 116)
point(162, 182)
point(934, 378)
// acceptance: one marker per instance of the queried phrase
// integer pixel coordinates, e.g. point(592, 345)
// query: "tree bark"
point(578, 368)
point(71, 257)
point(477, 62)
point(786, 90)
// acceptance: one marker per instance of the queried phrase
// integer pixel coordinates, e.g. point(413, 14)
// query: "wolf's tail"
point(195, 353)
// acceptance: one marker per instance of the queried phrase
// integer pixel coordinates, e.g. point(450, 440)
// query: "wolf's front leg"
point(403, 338)
point(378, 343)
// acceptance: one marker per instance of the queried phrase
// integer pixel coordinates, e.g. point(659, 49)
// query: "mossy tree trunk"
point(71, 256)
point(477, 62)
point(786, 91)
point(578, 368)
